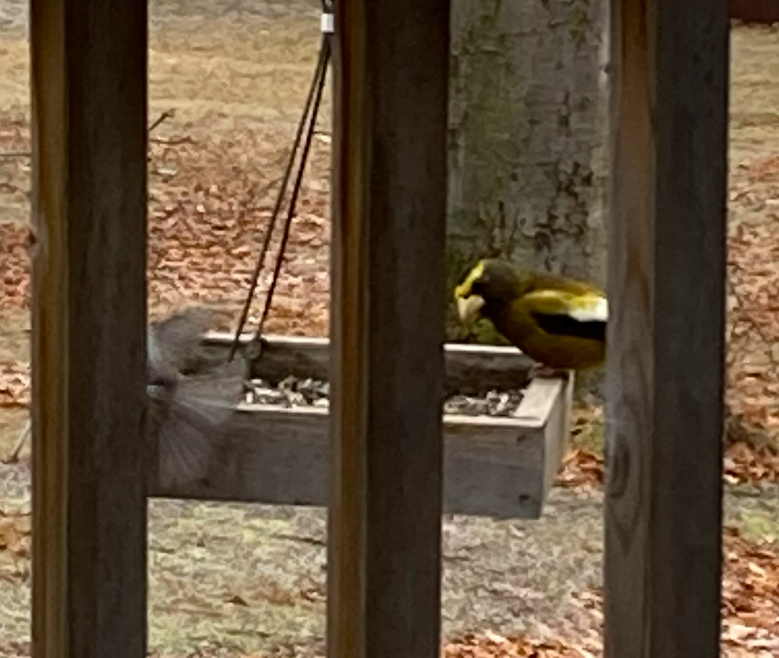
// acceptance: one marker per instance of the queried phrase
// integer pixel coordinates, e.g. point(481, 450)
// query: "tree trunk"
point(528, 136)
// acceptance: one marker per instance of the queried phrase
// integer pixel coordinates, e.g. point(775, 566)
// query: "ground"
point(241, 580)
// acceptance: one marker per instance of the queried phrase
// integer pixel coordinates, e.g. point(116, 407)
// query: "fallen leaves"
point(492, 645)
point(15, 533)
point(207, 222)
point(210, 200)
point(580, 468)
point(750, 600)
point(750, 453)
point(753, 278)
point(14, 384)
point(743, 462)
point(748, 463)
point(750, 614)
point(750, 595)
point(14, 266)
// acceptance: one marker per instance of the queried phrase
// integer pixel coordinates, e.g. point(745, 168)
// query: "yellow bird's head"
point(489, 284)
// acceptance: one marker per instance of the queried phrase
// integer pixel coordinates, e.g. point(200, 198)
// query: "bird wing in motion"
point(189, 421)
point(187, 415)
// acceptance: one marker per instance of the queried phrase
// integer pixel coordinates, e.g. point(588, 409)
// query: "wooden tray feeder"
point(494, 465)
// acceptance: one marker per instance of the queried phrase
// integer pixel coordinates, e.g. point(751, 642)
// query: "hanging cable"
point(294, 197)
point(313, 99)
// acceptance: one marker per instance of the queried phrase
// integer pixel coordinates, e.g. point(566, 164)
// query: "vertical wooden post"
point(89, 319)
point(389, 203)
point(666, 330)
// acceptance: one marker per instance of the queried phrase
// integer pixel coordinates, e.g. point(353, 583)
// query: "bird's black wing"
point(562, 324)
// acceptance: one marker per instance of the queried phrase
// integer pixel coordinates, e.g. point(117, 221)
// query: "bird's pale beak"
point(468, 308)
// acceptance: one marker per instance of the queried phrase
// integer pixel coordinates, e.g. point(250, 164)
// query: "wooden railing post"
point(389, 207)
point(666, 328)
point(89, 326)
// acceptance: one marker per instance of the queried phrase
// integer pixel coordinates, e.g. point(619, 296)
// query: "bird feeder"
point(498, 466)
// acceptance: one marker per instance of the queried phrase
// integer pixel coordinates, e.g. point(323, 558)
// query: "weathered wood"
point(469, 369)
point(492, 466)
point(89, 322)
point(557, 432)
point(666, 328)
point(754, 11)
point(387, 311)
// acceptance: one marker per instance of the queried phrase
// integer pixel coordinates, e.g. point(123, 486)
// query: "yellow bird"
point(557, 321)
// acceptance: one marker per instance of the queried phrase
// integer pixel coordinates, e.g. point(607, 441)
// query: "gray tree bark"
point(528, 135)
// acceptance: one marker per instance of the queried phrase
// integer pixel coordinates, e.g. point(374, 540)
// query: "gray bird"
point(191, 399)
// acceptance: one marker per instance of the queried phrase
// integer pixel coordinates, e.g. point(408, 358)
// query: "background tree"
point(528, 137)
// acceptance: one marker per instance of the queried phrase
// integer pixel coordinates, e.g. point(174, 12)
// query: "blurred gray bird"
point(191, 399)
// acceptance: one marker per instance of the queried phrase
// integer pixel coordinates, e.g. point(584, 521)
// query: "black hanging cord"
point(294, 197)
point(310, 111)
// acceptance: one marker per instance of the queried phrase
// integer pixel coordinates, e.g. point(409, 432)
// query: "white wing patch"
point(592, 308)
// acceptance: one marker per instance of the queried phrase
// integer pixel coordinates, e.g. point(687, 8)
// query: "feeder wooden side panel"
point(492, 466)
point(557, 431)
point(271, 455)
point(497, 475)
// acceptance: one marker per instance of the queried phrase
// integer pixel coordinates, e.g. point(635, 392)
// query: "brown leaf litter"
point(15, 533)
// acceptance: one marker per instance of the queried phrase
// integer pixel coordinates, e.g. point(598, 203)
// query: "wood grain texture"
point(666, 328)
point(500, 467)
point(468, 369)
point(89, 321)
point(557, 433)
point(389, 215)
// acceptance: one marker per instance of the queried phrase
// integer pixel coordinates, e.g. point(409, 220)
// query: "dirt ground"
point(237, 580)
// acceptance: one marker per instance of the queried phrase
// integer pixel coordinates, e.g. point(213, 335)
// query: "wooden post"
point(666, 331)
point(89, 320)
point(389, 203)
